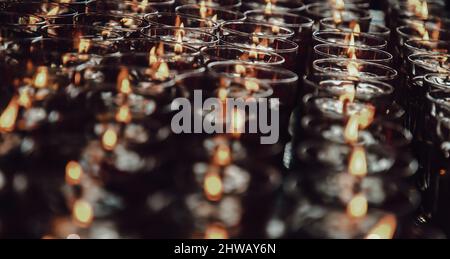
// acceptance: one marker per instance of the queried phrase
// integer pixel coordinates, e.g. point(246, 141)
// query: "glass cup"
point(340, 51)
point(225, 53)
point(255, 29)
point(216, 14)
point(162, 19)
point(80, 31)
point(344, 38)
point(51, 12)
point(233, 5)
point(189, 36)
point(122, 7)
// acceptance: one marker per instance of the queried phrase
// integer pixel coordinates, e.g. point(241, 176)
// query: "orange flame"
point(240, 69)
point(82, 213)
point(222, 156)
point(268, 8)
point(358, 162)
point(109, 139)
point(351, 132)
point(24, 99)
point(41, 77)
point(213, 186)
point(358, 206)
point(216, 231)
point(366, 116)
point(123, 115)
point(353, 68)
point(162, 72)
point(251, 86)
point(9, 116)
point(53, 11)
point(339, 4)
point(84, 46)
point(74, 173)
point(384, 229)
point(123, 83)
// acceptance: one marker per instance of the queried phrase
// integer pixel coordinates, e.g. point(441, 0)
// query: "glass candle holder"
point(129, 25)
point(375, 92)
point(348, 26)
point(281, 80)
point(168, 65)
point(191, 37)
point(358, 4)
point(11, 32)
point(59, 52)
point(162, 19)
point(80, 31)
point(28, 21)
point(379, 132)
point(122, 8)
point(225, 53)
point(365, 70)
point(286, 48)
point(318, 11)
point(234, 5)
point(340, 51)
point(426, 46)
point(276, 6)
point(419, 32)
point(300, 25)
point(421, 64)
point(159, 48)
point(51, 12)
point(216, 14)
point(344, 38)
point(405, 11)
point(255, 29)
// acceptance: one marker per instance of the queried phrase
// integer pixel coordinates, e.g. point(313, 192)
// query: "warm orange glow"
point(142, 5)
point(351, 132)
point(223, 94)
point(162, 72)
point(41, 77)
point(366, 116)
point(337, 17)
point(84, 45)
point(339, 4)
point(127, 22)
point(82, 213)
point(423, 13)
point(240, 69)
point(251, 86)
point(275, 29)
point(214, 18)
point(9, 116)
point(353, 68)
point(178, 46)
point(253, 54)
point(426, 36)
point(268, 8)
point(74, 173)
point(222, 156)
point(109, 139)
point(216, 231)
point(178, 22)
point(53, 11)
point(152, 58)
point(123, 114)
point(358, 162)
point(384, 229)
point(123, 83)
point(355, 27)
point(213, 186)
point(358, 206)
point(24, 99)
point(237, 122)
point(203, 9)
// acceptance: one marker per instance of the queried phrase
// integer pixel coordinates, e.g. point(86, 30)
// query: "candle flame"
point(178, 49)
point(82, 213)
point(366, 116)
point(84, 46)
point(339, 4)
point(358, 162)
point(162, 72)
point(109, 139)
point(127, 22)
point(251, 86)
point(216, 231)
point(123, 115)
point(268, 8)
point(351, 130)
point(41, 77)
point(53, 11)
point(123, 83)
point(237, 122)
point(275, 29)
point(203, 9)
point(9, 116)
point(337, 17)
point(74, 173)
point(240, 69)
point(356, 28)
point(353, 68)
point(222, 156)
point(213, 186)
point(423, 12)
point(223, 94)
point(384, 229)
point(437, 31)
point(358, 206)
point(24, 98)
